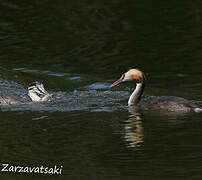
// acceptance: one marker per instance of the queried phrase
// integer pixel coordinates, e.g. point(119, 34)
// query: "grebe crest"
point(169, 103)
point(132, 75)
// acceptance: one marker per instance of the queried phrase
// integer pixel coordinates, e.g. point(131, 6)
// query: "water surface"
point(77, 49)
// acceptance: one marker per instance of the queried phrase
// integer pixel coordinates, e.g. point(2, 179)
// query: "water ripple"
point(95, 97)
point(68, 76)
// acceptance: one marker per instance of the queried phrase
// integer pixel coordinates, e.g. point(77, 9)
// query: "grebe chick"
point(36, 92)
point(169, 103)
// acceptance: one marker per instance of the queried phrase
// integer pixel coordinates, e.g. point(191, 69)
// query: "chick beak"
point(47, 97)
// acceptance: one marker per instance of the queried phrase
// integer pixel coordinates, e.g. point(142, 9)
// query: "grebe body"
point(9, 99)
point(168, 103)
point(36, 92)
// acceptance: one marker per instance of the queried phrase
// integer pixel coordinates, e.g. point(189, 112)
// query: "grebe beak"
point(117, 82)
point(48, 96)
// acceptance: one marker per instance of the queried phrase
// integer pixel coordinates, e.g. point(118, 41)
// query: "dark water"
point(77, 49)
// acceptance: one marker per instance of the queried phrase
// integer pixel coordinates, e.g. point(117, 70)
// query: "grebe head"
point(134, 75)
point(37, 92)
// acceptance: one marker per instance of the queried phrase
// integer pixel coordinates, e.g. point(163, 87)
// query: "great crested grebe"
point(36, 92)
point(169, 103)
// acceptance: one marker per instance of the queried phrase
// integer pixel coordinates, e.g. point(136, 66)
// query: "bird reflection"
point(134, 129)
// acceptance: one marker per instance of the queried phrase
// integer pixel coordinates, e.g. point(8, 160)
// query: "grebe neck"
point(137, 94)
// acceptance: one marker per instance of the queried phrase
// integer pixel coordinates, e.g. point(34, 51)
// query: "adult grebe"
point(36, 92)
point(169, 103)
